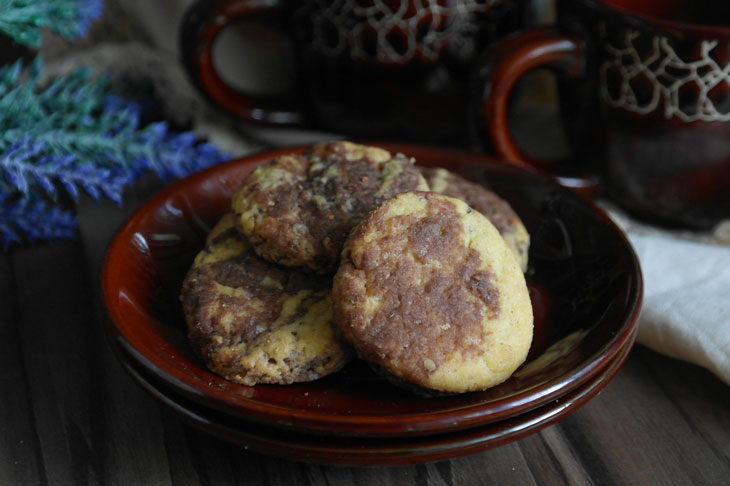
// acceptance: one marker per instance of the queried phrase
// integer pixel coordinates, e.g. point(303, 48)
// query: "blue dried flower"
point(25, 165)
point(33, 219)
point(74, 134)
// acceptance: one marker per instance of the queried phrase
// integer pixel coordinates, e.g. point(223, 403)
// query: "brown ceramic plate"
point(583, 276)
point(372, 451)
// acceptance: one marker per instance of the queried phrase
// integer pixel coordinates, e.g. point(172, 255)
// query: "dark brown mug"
point(644, 94)
point(388, 69)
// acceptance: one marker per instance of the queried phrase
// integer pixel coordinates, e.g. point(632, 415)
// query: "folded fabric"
point(686, 311)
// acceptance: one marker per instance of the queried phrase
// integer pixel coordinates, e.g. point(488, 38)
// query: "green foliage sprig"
point(75, 135)
point(23, 19)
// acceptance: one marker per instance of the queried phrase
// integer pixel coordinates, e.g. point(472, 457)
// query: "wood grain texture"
point(20, 458)
point(70, 415)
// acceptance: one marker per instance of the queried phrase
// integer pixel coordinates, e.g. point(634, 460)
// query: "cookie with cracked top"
point(253, 321)
point(497, 210)
point(298, 209)
point(429, 293)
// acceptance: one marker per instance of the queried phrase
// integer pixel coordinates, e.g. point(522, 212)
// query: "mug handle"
point(496, 76)
point(201, 24)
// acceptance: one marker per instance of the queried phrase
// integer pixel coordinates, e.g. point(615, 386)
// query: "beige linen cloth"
point(686, 311)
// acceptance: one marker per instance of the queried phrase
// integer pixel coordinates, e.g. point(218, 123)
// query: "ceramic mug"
point(644, 92)
point(394, 69)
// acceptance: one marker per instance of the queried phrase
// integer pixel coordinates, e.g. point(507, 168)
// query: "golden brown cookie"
point(256, 322)
point(497, 210)
point(429, 293)
point(297, 210)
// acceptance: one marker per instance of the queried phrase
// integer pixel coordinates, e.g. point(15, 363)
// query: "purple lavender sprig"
point(32, 219)
point(74, 135)
point(25, 165)
point(77, 114)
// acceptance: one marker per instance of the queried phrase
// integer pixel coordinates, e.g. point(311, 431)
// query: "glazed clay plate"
point(583, 277)
point(373, 451)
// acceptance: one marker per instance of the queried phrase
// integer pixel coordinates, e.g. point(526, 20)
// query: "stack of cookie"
point(349, 250)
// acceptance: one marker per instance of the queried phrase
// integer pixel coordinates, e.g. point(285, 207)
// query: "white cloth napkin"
point(686, 311)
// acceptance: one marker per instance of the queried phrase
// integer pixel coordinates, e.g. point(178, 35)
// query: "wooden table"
point(70, 415)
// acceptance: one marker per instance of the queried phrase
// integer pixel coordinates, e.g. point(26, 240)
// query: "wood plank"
point(703, 402)
point(93, 423)
point(633, 433)
point(385, 476)
point(182, 449)
point(501, 465)
point(20, 458)
point(50, 327)
point(550, 461)
point(209, 460)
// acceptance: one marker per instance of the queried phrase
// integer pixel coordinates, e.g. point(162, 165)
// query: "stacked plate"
point(584, 281)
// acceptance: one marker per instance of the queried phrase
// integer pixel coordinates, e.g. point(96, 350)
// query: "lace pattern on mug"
point(645, 82)
point(397, 32)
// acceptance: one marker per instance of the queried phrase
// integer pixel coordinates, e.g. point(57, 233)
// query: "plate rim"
point(435, 447)
point(361, 425)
